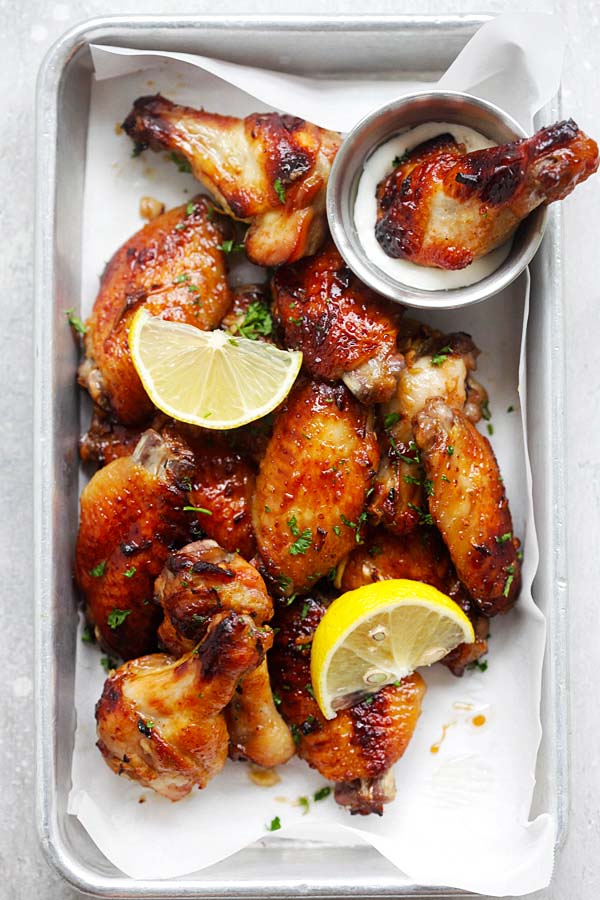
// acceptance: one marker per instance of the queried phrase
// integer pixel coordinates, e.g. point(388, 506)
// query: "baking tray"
point(333, 47)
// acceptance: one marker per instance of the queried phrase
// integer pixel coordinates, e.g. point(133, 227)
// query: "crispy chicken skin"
point(419, 555)
point(268, 169)
point(174, 267)
point(196, 584)
point(356, 749)
point(131, 516)
point(106, 439)
point(469, 506)
point(160, 720)
point(443, 207)
point(437, 365)
point(344, 329)
point(308, 507)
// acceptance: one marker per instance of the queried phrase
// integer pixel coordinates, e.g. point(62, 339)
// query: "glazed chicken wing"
point(436, 365)
point(344, 329)
point(174, 267)
point(469, 506)
point(357, 749)
point(444, 207)
point(419, 555)
point(131, 515)
point(160, 721)
point(196, 584)
point(308, 508)
point(268, 169)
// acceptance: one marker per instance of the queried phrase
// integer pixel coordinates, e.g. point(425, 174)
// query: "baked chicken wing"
point(436, 365)
point(357, 749)
point(196, 584)
point(308, 507)
point(160, 720)
point(468, 504)
point(131, 516)
point(345, 330)
point(268, 169)
point(174, 267)
point(444, 207)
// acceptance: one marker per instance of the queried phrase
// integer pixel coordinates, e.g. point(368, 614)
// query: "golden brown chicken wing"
point(437, 365)
point(468, 504)
point(160, 720)
point(356, 749)
point(175, 268)
point(444, 207)
point(268, 169)
point(131, 516)
point(308, 508)
point(250, 315)
point(197, 583)
point(419, 555)
point(345, 330)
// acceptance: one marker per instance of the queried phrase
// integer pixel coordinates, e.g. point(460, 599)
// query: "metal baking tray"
point(389, 46)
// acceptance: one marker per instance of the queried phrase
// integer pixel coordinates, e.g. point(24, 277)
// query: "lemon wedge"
point(378, 634)
point(209, 378)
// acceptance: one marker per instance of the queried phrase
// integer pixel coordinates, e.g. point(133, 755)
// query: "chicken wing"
point(250, 315)
point(268, 169)
point(419, 555)
point(175, 268)
point(344, 329)
point(197, 583)
point(356, 749)
point(437, 365)
point(308, 508)
point(468, 504)
point(131, 516)
point(444, 207)
point(160, 721)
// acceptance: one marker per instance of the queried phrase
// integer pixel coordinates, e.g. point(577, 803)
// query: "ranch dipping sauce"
point(377, 167)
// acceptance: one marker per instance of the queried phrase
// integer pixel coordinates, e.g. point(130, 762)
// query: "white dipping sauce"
point(377, 167)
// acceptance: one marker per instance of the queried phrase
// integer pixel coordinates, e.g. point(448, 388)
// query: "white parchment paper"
point(461, 817)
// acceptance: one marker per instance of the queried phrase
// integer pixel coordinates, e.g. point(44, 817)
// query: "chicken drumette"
point(268, 169)
point(444, 207)
point(160, 720)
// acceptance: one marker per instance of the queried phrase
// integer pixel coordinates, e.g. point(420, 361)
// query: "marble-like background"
point(28, 28)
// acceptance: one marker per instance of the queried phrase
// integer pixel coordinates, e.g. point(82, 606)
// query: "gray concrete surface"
point(28, 28)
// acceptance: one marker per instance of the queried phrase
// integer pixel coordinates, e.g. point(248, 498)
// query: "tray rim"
point(49, 79)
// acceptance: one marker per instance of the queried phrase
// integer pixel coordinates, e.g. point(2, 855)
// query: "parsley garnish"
point(478, 664)
point(309, 688)
point(296, 734)
point(145, 727)
point(441, 356)
point(276, 699)
point(98, 571)
point(337, 530)
point(197, 509)
point(258, 321)
point(303, 539)
point(181, 162)
point(180, 279)
point(485, 410)
point(230, 247)
point(274, 825)
point(304, 802)
point(279, 190)
point(449, 449)
point(75, 322)
point(428, 485)
point(390, 420)
point(138, 148)
point(116, 617)
point(409, 479)
point(425, 518)
point(321, 793)
point(511, 577)
point(490, 429)
point(445, 478)
point(398, 160)
point(504, 538)
point(189, 210)
point(305, 609)
point(108, 663)
point(356, 526)
point(510, 408)
point(87, 636)
point(375, 550)
point(129, 573)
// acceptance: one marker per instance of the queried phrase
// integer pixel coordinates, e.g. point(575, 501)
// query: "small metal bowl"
point(377, 128)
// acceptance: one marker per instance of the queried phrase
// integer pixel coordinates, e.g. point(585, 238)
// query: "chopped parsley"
point(230, 247)
point(138, 149)
point(490, 429)
point(108, 663)
point(428, 486)
point(75, 322)
point(198, 509)
point(129, 573)
point(398, 160)
point(356, 526)
point(322, 793)
point(390, 420)
point(441, 356)
point(309, 688)
point(304, 802)
point(87, 635)
point(504, 538)
point(276, 699)
point(510, 408)
point(337, 530)
point(284, 582)
point(297, 737)
point(274, 825)
point(305, 609)
point(409, 479)
point(258, 321)
point(98, 571)
point(449, 449)
point(445, 478)
point(511, 577)
point(374, 550)
point(116, 617)
point(189, 210)
point(485, 410)
point(145, 727)
point(180, 279)
point(303, 539)
point(181, 162)
point(279, 189)
point(425, 518)
point(480, 665)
